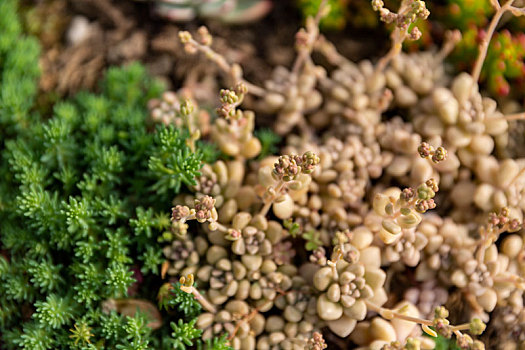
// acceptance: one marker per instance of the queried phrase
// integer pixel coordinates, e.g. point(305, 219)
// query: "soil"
point(117, 32)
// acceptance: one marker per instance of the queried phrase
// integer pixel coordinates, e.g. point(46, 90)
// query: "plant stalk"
point(483, 48)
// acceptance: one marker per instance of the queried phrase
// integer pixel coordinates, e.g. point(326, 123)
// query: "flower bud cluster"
point(402, 209)
point(204, 211)
point(346, 168)
point(181, 110)
point(233, 131)
point(192, 46)
point(409, 11)
point(285, 182)
point(230, 99)
point(316, 342)
point(435, 154)
point(289, 166)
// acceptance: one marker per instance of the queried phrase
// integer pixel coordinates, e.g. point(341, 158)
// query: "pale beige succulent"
point(378, 332)
point(291, 96)
point(233, 130)
point(297, 323)
point(427, 297)
point(229, 321)
point(346, 284)
point(180, 109)
point(337, 179)
point(182, 255)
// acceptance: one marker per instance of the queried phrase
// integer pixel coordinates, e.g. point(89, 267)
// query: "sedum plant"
point(504, 61)
point(19, 70)
point(227, 11)
point(281, 254)
point(335, 19)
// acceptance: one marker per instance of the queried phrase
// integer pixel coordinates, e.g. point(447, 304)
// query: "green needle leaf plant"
point(83, 196)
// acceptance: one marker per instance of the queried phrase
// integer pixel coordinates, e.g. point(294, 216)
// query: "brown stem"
point(251, 315)
point(221, 227)
point(247, 318)
point(190, 121)
point(517, 11)
point(488, 237)
point(410, 204)
point(200, 298)
point(483, 48)
point(515, 116)
point(221, 62)
point(333, 264)
point(520, 174)
point(480, 255)
point(107, 8)
point(268, 202)
point(451, 39)
point(397, 41)
point(383, 312)
point(473, 302)
point(329, 51)
point(164, 268)
point(398, 36)
point(304, 54)
point(304, 128)
point(461, 327)
point(514, 279)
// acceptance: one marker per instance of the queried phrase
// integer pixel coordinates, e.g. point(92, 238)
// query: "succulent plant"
point(335, 19)
point(505, 58)
point(505, 62)
point(227, 11)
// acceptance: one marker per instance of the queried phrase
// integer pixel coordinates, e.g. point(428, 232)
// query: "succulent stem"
point(221, 62)
point(200, 298)
point(516, 116)
point(390, 314)
point(312, 33)
point(461, 327)
point(279, 187)
point(484, 45)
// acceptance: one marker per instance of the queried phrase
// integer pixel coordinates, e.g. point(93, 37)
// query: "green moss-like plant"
point(83, 196)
